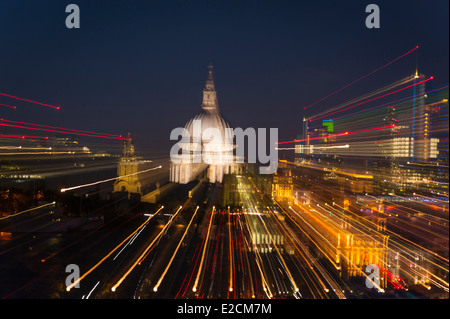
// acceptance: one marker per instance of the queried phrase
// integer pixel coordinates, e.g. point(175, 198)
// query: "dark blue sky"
point(140, 66)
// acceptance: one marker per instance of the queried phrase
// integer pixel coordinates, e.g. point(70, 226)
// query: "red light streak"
point(346, 86)
point(12, 107)
point(26, 100)
point(391, 278)
point(61, 128)
point(373, 99)
point(339, 134)
point(24, 136)
point(63, 132)
point(373, 129)
point(314, 138)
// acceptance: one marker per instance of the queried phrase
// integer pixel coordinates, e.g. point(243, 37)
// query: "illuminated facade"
point(282, 185)
point(354, 253)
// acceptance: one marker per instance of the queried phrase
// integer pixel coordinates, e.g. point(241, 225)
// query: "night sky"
point(140, 66)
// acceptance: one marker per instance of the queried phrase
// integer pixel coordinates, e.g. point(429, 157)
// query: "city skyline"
point(251, 154)
point(267, 57)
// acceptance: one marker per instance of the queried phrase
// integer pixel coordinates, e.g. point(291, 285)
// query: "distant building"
point(282, 185)
point(127, 169)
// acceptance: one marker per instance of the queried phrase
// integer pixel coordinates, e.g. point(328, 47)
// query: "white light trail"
point(107, 180)
point(24, 148)
point(175, 252)
point(90, 292)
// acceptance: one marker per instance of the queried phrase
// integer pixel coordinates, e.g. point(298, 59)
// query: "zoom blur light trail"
point(60, 128)
point(143, 255)
point(107, 180)
point(361, 78)
point(63, 132)
point(111, 252)
point(230, 243)
point(390, 103)
point(175, 252)
point(10, 106)
point(25, 136)
point(197, 278)
point(285, 267)
point(28, 210)
point(24, 148)
point(313, 138)
point(318, 147)
point(31, 101)
point(370, 100)
point(340, 134)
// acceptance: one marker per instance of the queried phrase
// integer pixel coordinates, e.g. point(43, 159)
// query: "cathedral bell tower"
point(127, 166)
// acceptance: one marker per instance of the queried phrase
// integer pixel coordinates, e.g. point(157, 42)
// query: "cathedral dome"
point(206, 120)
point(207, 142)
